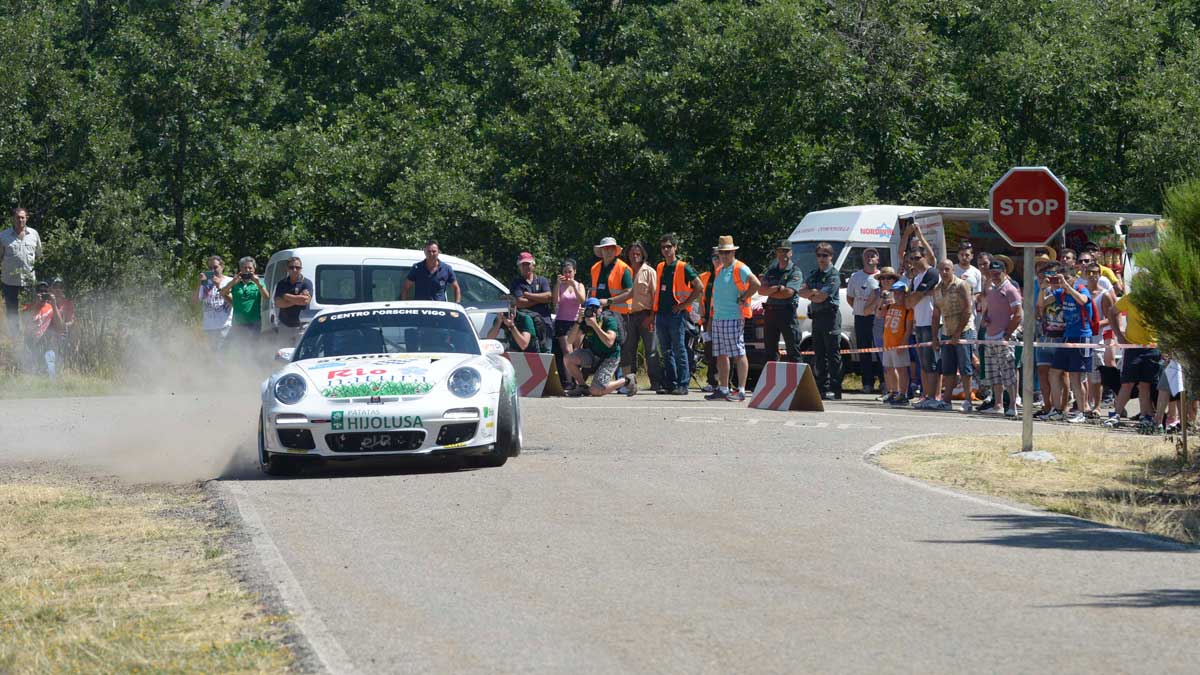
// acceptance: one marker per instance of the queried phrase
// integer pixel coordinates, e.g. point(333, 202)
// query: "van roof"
point(873, 223)
point(357, 254)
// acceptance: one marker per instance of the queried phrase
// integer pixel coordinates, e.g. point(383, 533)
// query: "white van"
point(342, 275)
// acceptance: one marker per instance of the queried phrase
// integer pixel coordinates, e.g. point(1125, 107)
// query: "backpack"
point(542, 339)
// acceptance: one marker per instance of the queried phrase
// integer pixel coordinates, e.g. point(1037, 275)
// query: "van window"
point(384, 282)
point(477, 292)
point(854, 261)
point(805, 257)
point(337, 284)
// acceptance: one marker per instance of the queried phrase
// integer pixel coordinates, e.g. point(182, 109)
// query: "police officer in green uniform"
point(781, 283)
point(821, 291)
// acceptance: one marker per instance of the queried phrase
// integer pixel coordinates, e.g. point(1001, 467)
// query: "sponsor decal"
point(321, 319)
point(456, 445)
point(386, 312)
point(453, 314)
point(322, 365)
point(487, 412)
point(389, 388)
point(366, 420)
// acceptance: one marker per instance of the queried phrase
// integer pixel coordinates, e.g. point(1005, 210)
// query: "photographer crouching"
point(600, 334)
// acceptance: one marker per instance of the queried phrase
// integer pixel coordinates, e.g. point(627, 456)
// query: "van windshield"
point(804, 254)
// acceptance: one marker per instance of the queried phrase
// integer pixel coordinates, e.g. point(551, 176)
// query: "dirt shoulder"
point(98, 575)
point(1129, 481)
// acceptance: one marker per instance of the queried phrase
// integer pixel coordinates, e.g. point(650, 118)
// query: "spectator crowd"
point(933, 335)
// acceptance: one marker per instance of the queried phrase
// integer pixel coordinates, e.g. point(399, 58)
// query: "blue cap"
point(900, 286)
point(591, 302)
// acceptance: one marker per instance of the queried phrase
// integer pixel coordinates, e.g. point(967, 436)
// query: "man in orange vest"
point(612, 285)
point(733, 285)
point(678, 288)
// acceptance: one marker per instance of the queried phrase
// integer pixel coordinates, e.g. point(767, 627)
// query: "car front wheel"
point(270, 463)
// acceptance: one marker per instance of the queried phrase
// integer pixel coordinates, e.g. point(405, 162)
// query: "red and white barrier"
point(537, 375)
point(786, 386)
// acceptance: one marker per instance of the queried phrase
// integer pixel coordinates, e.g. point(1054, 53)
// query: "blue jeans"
point(673, 350)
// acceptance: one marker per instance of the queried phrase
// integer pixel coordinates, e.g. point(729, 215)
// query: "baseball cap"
point(591, 302)
point(525, 257)
point(965, 243)
point(870, 249)
point(997, 265)
point(783, 243)
point(900, 285)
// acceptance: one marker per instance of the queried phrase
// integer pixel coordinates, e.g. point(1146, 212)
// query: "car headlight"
point(464, 382)
point(290, 388)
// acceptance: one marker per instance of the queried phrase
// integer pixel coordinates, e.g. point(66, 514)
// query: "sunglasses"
point(667, 246)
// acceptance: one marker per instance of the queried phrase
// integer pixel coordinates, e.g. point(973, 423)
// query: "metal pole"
point(1028, 371)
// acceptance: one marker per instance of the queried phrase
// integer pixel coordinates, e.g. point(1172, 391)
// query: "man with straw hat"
point(733, 285)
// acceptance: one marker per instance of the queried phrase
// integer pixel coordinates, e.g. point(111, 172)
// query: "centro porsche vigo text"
point(395, 378)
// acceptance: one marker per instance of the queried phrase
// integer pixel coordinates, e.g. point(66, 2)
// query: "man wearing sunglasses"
point(292, 294)
point(821, 291)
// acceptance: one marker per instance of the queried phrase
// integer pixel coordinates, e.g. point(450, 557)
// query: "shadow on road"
point(1160, 597)
point(1062, 533)
point(372, 466)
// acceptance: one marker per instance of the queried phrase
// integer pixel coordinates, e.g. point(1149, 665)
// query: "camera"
point(246, 276)
point(588, 313)
point(44, 297)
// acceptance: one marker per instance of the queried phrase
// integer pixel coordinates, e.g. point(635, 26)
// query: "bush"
point(1167, 292)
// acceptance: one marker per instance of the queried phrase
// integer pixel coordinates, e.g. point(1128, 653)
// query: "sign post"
point(1028, 206)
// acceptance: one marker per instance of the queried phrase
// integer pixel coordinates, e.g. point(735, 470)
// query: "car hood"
point(380, 374)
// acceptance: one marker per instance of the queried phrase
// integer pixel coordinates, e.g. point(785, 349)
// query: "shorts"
point(1140, 365)
point(956, 359)
point(603, 369)
point(1072, 359)
point(1097, 353)
point(563, 328)
point(1044, 356)
point(1000, 366)
point(1164, 384)
point(729, 337)
point(896, 358)
point(927, 355)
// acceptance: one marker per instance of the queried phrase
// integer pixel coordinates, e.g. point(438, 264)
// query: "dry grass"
point(1124, 480)
point(101, 579)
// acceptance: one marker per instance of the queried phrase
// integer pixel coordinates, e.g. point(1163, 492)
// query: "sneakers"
point(929, 404)
point(708, 389)
point(631, 386)
point(1113, 421)
point(717, 394)
point(577, 391)
point(966, 405)
point(1010, 412)
point(1076, 418)
point(679, 391)
point(1041, 415)
point(888, 397)
point(1055, 416)
point(662, 391)
point(736, 396)
point(988, 404)
point(900, 401)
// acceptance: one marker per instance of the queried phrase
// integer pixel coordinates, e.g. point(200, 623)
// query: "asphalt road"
point(673, 535)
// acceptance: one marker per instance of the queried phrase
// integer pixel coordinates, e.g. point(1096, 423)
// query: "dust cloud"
point(187, 415)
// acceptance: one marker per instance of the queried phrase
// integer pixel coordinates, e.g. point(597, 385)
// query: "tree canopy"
point(142, 135)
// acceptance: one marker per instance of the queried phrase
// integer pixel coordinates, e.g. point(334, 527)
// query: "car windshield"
point(388, 330)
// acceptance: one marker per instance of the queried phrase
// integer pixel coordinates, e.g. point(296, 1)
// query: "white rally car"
point(390, 378)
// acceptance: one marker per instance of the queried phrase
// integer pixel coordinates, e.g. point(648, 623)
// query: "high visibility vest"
point(704, 304)
point(614, 284)
point(742, 285)
point(681, 290)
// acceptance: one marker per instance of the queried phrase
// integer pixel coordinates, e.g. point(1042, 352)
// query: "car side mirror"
point(491, 346)
point(285, 354)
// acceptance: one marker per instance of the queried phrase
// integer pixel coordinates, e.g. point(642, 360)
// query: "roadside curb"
point(870, 459)
point(320, 641)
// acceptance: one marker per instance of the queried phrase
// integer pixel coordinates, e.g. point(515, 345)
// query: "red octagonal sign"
point(1028, 206)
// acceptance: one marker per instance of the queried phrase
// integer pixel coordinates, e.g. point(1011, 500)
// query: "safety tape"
point(1008, 343)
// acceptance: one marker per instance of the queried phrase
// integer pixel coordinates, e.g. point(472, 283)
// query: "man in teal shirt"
point(599, 335)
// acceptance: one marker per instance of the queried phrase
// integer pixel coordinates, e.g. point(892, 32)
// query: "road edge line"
point(872, 453)
point(303, 614)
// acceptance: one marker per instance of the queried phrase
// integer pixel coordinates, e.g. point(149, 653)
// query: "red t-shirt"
point(39, 319)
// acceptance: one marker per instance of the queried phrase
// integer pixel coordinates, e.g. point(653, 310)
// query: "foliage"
point(143, 136)
point(1166, 291)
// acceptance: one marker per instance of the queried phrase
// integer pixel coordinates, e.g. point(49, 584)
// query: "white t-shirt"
point(971, 275)
point(923, 310)
point(218, 312)
point(859, 288)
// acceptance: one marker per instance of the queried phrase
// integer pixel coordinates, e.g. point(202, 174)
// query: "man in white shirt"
point(217, 310)
point(858, 291)
point(20, 247)
point(966, 271)
point(923, 280)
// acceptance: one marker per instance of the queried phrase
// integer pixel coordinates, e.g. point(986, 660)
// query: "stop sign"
point(1028, 206)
